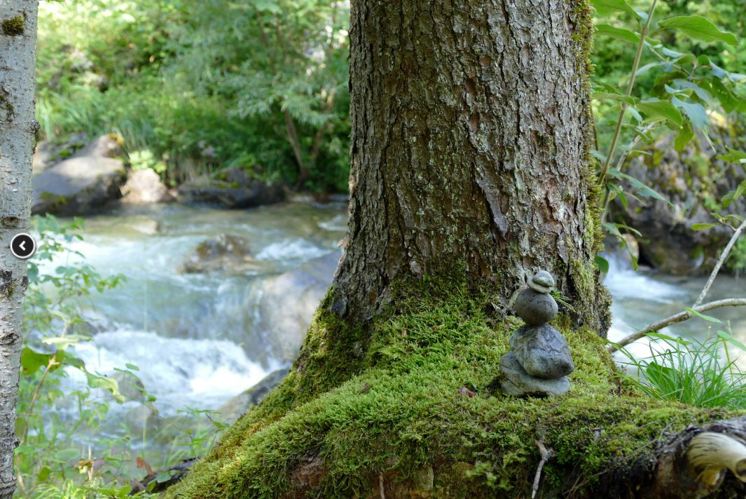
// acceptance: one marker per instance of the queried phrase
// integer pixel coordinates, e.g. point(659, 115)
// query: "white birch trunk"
point(17, 139)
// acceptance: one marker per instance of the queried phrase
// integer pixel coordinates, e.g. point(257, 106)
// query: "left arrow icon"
point(23, 246)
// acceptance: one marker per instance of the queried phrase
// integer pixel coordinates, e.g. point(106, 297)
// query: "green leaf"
point(724, 95)
point(730, 339)
point(628, 99)
point(267, 6)
point(689, 85)
point(612, 229)
point(694, 111)
point(702, 226)
point(32, 361)
point(618, 33)
point(656, 108)
point(733, 156)
point(685, 135)
point(606, 7)
point(671, 53)
point(700, 28)
point(734, 195)
point(702, 316)
point(647, 67)
point(723, 74)
point(640, 187)
point(635, 113)
point(668, 338)
point(602, 264)
point(106, 383)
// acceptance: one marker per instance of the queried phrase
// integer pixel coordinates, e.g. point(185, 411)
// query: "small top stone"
point(542, 281)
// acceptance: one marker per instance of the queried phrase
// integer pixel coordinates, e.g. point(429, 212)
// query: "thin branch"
point(720, 262)
point(620, 162)
point(546, 455)
point(292, 136)
point(674, 319)
point(630, 86)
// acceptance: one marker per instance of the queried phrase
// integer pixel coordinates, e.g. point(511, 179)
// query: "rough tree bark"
point(17, 138)
point(470, 140)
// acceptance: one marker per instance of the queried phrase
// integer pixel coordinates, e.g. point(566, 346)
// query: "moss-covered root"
point(411, 415)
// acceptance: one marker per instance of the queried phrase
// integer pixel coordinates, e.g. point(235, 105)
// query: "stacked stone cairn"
point(539, 359)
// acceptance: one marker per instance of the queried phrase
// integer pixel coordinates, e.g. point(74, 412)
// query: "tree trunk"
point(17, 138)
point(470, 170)
point(470, 140)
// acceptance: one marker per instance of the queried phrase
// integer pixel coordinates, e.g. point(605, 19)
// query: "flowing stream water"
point(193, 336)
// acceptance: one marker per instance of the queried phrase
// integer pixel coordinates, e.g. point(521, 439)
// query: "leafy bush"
point(203, 85)
point(676, 85)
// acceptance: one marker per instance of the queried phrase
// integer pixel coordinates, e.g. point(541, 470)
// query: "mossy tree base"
point(413, 415)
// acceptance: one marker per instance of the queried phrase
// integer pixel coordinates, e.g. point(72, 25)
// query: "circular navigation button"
point(22, 246)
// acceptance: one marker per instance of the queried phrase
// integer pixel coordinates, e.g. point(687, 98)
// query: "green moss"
point(396, 413)
point(14, 26)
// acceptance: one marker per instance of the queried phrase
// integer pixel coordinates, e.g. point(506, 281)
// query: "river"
point(194, 337)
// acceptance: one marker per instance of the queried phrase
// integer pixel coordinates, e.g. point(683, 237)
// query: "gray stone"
point(542, 281)
point(673, 243)
point(145, 186)
point(83, 183)
point(535, 308)
point(284, 306)
point(517, 382)
point(232, 188)
point(238, 405)
point(542, 352)
point(225, 253)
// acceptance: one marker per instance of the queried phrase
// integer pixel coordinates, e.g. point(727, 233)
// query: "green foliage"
point(692, 372)
point(683, 90)
point(203, 85)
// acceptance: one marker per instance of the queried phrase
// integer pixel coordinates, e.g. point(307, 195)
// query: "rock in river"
point(285, 305)
point(83, 183)
point(232, 188)
point(145, 186)
point(225, 253)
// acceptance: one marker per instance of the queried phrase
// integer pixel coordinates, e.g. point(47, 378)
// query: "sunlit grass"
point(698, 373)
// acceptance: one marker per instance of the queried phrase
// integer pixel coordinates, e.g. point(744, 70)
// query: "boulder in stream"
point(285, 305)
point(232, 188)
point(225, 253)
point(145, 186)
point(238, 405)
point(84, 183)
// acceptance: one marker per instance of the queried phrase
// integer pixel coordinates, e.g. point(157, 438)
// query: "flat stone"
point(517, 382)
point(542, 352)
point(535, 308)
point(542, 281)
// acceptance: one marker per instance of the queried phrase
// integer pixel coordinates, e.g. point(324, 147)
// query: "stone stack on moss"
point(539, 359)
